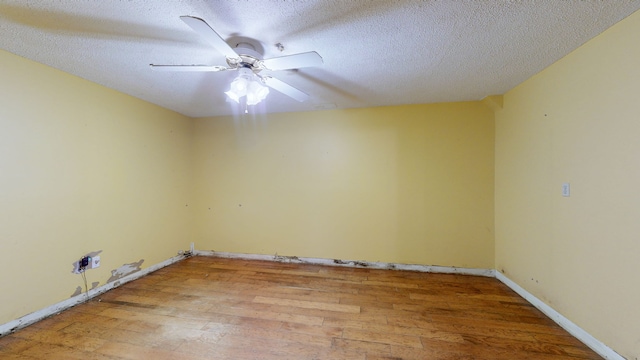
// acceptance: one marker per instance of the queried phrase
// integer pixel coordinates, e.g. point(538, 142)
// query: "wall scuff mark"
point(125, 270)
point(77, 292)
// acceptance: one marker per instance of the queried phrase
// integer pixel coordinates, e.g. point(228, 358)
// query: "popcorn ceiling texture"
point(376, 53)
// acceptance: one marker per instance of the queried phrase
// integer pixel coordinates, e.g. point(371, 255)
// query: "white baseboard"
point(36, 316)
point(580, 334)
point(573, 329)
point(351, 263)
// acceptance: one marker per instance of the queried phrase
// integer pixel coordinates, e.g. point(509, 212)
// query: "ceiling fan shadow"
point(88, 26)
point(335, 85)
point(345, 13)
point(217, 13)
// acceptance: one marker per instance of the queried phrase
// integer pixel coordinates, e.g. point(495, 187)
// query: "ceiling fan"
point(249, 63)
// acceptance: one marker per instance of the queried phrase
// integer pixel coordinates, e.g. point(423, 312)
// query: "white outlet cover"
point(95, 262)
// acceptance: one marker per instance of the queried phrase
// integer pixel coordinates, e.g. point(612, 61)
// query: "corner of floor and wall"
point(536, 184)
point(84, 171)
point(566, 163)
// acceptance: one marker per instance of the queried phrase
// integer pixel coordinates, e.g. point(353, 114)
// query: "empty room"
point(319, 179)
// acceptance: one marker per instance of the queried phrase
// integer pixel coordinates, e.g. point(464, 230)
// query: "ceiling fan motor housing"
point(248, 57)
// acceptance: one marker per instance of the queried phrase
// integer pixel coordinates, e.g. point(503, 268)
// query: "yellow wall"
point(406, 184)
point(83, 168)
point(578, 121)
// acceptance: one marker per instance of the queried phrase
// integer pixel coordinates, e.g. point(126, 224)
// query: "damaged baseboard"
point(351, 263)
point(13, 326)
point(580, 334)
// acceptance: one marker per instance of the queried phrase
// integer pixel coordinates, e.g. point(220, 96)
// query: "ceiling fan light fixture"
point(246, 57)
point(256, 92)
point(233, 96)
point(247, 84)
point(238, 88)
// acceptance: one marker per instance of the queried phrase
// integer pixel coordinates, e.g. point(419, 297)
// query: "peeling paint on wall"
point(77, 292)
point(95, 284)
point(125, 270)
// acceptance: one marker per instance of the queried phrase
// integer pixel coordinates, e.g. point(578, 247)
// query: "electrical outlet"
point(95, 262)
point(566, 189)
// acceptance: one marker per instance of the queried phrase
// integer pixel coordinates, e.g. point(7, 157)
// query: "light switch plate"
point(566, 189)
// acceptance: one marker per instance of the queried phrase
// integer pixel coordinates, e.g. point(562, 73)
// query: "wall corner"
point(494, 102)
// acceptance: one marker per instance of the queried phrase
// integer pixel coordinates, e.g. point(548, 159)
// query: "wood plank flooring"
point(214, 308)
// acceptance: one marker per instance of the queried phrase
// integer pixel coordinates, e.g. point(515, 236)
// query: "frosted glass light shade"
point(238, 88)
point(256, 92)
point(247, 84)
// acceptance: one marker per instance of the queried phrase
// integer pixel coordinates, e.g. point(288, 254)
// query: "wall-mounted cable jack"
point(84, 263)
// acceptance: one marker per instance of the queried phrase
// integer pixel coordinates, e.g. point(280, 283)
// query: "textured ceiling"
point(375, 53)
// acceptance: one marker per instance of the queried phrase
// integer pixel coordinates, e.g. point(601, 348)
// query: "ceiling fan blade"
point(295, 61)
point(187, 67)
point(285, 88)
point(201, 27)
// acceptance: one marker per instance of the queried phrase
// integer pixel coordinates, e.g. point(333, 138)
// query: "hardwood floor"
point(213, 308)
